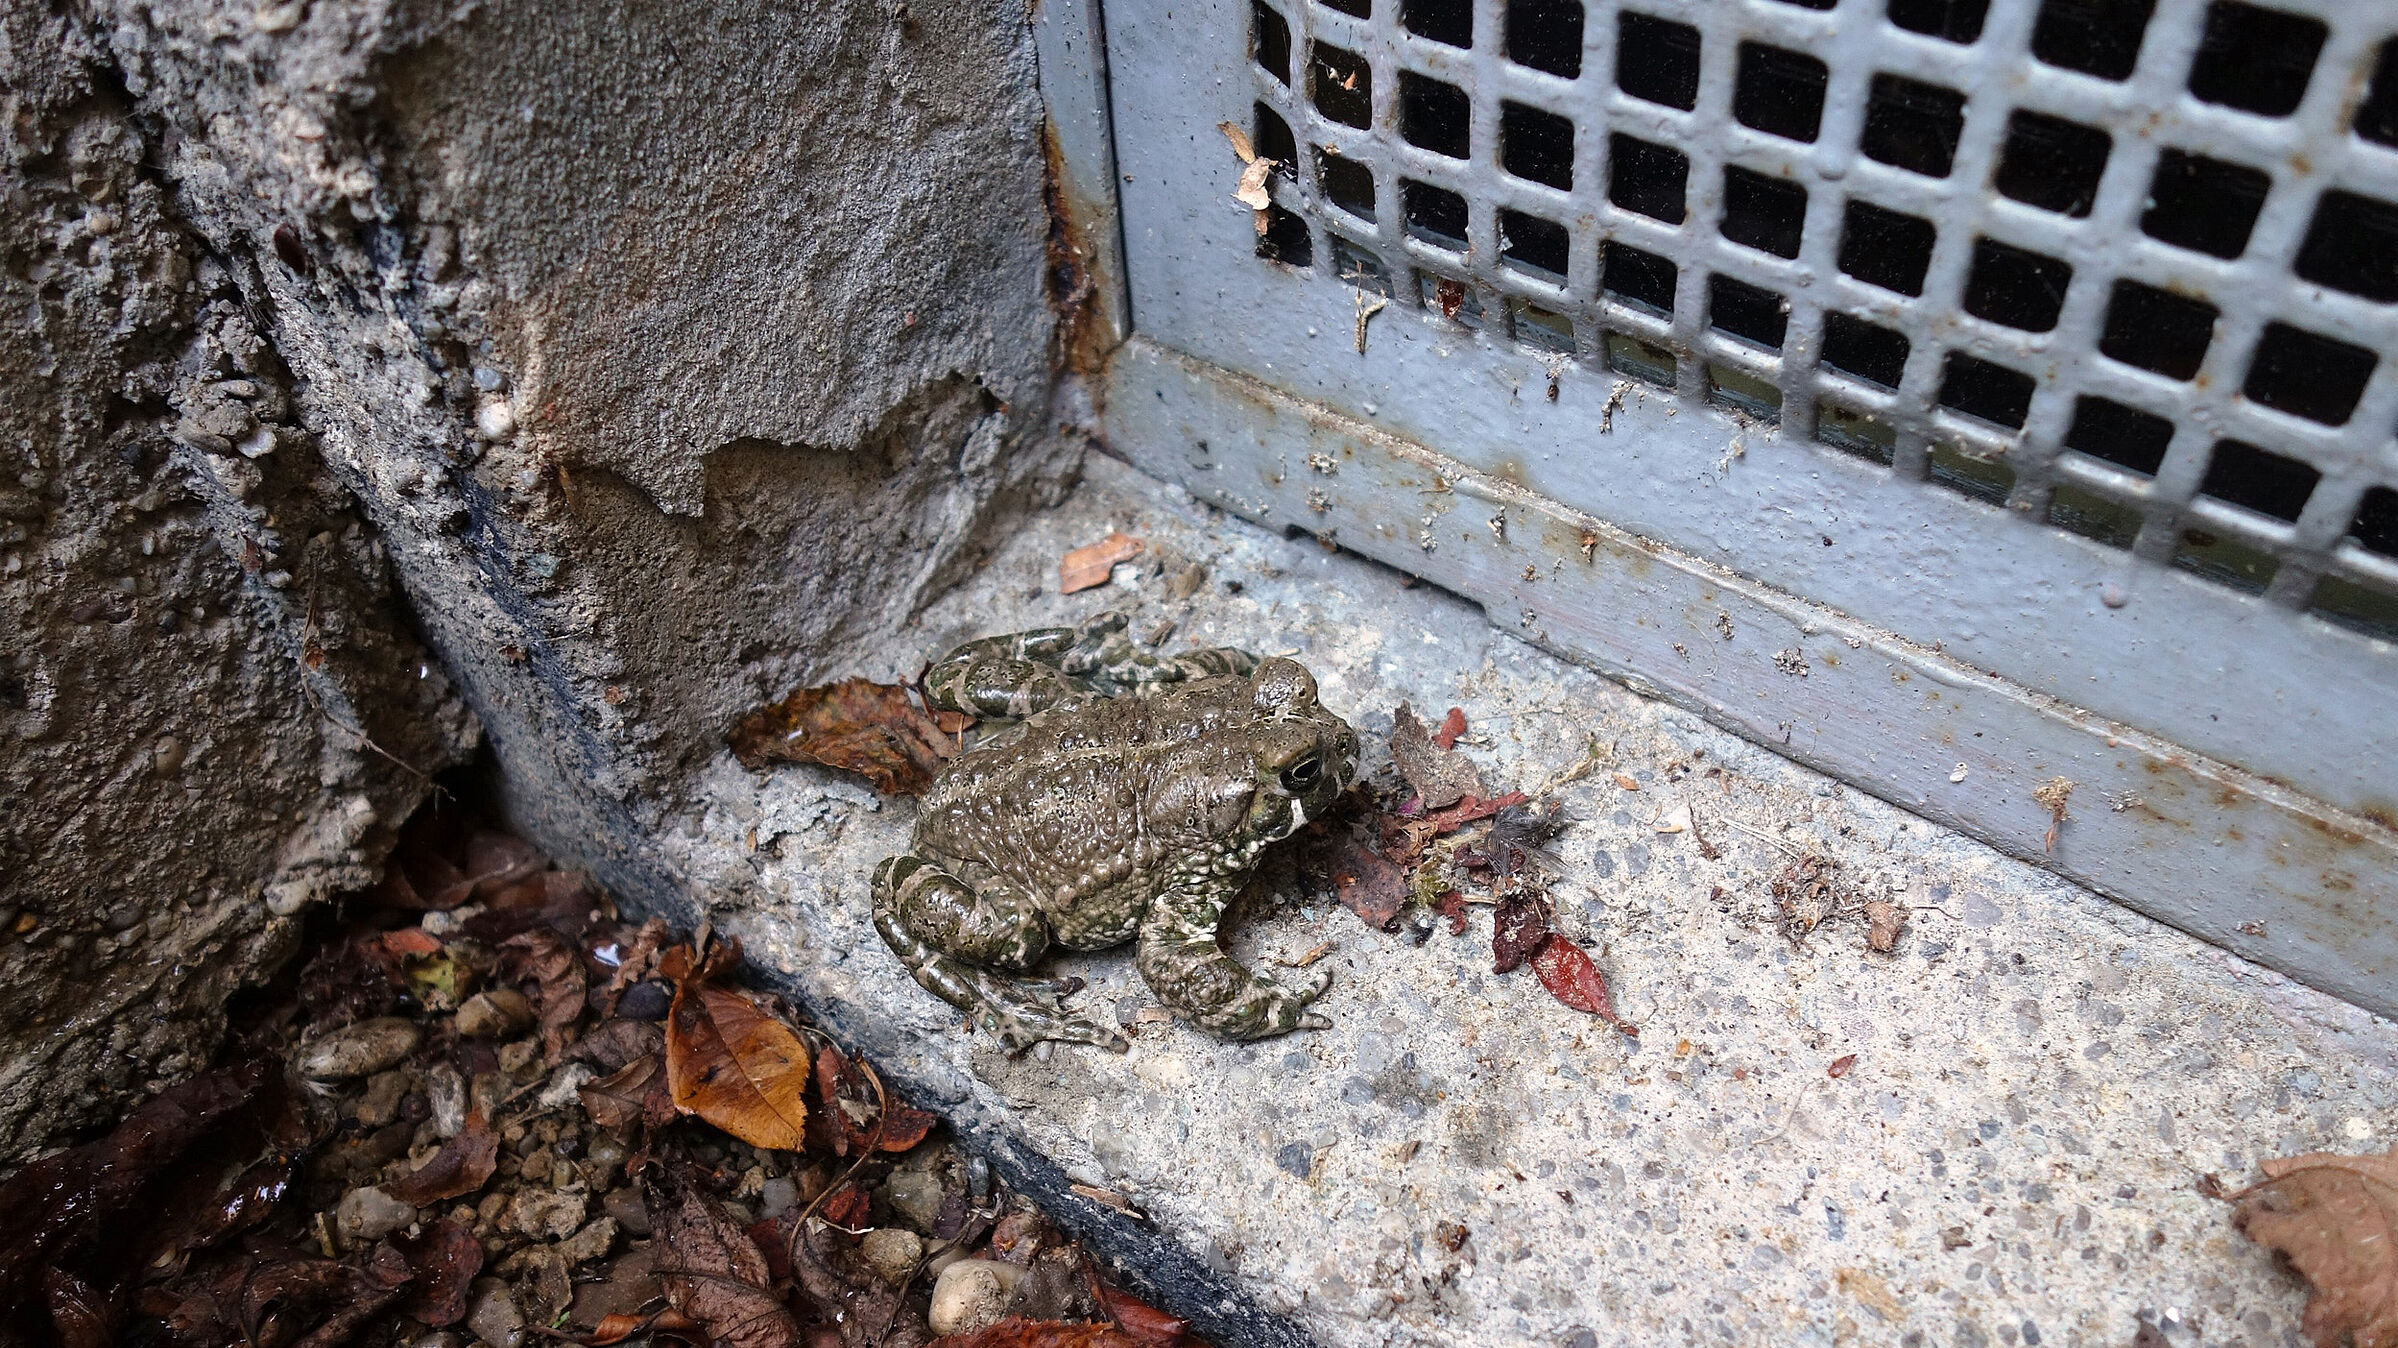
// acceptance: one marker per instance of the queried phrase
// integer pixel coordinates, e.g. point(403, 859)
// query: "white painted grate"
point(2130, 273)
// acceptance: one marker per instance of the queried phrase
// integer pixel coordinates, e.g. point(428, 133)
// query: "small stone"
point(359, 1050)
point(445, 1092)
point(497, 1014)
point(547, 1214)
point(625, 1206)
point(495, 420)
point(517, 1057)
point(893, 1252)
point(972, 1294)
point(492, 1314)
point(366, 1215)
point(645, 1001)
point(917, 1197)
point(597, 1237)
point(564, 1086)
point(777, 1196)
point(384, 1093)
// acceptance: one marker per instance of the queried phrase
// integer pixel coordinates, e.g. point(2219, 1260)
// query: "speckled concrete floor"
point(2040, 1078)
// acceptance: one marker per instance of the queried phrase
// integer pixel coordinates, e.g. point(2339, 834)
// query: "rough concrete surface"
point(212, 708)
point(2040, 1077)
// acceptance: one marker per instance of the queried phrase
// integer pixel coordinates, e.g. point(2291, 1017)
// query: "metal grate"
point(2125, 272)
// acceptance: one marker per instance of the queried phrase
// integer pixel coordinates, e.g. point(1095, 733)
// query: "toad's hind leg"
point(1187, 968)
point(954, 939)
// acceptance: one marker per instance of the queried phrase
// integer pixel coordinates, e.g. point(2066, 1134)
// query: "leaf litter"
point(2336, 1219)
point(880, 731)
point(657, 1155)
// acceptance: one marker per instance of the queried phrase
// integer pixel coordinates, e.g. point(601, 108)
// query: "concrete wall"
point(665, 356)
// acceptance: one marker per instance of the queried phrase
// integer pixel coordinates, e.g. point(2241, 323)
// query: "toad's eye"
point(1301, 775)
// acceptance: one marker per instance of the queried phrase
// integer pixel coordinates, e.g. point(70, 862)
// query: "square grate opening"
point(1919, 232)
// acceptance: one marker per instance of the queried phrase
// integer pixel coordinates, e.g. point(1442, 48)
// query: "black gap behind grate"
point(1270, 41)
point(1434, 214)
point(1286, 239)
point(1360, 266)
point(1359, 9)
point(2124, 436)
point(2307, 375)
point(1647, 178)
point(1885, 248)
point(1950, 20)
point(1767, 214)
point(1869, 351)
point(1537, 146)
point(2258, 479)
point(1979, 388)
point(1657, 60)
point(1271, 137)
point(2353, 246)
point(1748, 312)
point(1640, 277)
point(1913, 125)
point(2375, 528)
point(1811, 4)
point(1435, 116)
point(2014, 286)
point(1546, 35)
point(2202, 204)
point(1347, 183)
point(2377, 118)
point(1450, 22)
point(1779, 92)
point(2052, 163)
point(1532, 244)
point(1342, 84)
point(2256, 60)
point(2157, 329)
point(2095, 37)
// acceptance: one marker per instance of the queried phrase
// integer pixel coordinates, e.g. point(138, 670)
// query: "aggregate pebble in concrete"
point(2040, 1077)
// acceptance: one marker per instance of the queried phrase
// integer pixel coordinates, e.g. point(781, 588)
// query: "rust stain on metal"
point(1083, 337)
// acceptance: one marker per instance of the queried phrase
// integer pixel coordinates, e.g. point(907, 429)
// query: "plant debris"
point(877, 730)
point(1088, 567)
point(2052, 795)
point(2336, 1219)
point(462, 1117)
point(1439, 774)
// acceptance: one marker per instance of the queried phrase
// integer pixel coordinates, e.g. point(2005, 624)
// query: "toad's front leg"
point(1191, 974)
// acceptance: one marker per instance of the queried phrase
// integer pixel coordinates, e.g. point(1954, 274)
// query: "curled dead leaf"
point(714, 1273)
point(2336, 1218)
point(1566, 970)
point(463, 1165)
point(1517, 934)
point(1251, 192)
point(1089, 567)
point(873, 729)
point(1440, 775)
point(1014, 1333)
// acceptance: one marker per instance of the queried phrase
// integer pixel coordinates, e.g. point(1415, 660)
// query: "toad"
point(1127, 799)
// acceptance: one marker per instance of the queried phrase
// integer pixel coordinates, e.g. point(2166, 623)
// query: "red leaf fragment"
point(463, 1165)
point(1140, 1320)
point(445, 1259)
point(847, 1207)
point(873, 729)
point(1014, 1333)
point(1471, 808)
point(1841, 1065)
point(1451, 727)
point(1518, 933)
point(1440, 775)
point(1566, 971)
point(1451, 905)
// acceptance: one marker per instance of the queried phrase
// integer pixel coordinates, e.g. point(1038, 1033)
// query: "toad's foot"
point(1193, 976)
point(1019, 1013)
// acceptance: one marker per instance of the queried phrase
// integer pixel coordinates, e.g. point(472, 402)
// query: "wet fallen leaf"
point(616, 1327)
point(1013, 1333)
point(463, 1165)
point(1141, 1320)
point(617, 1042)
point(556, 972)
point(1451, 726)
point(1089, 567)
point(863, 1307)
point(1441, 776)
point(1471, 808)
point(848, 1207)
point(634, 1093)
point(1518, 932)
point(2336, 1218)
point(873, 729)
point(1451, 905)
point(850, 1102)
point(445, 1257)
point(1566, 971)
point(713, 1272)
point(1841, 1065)
point(736, 1066)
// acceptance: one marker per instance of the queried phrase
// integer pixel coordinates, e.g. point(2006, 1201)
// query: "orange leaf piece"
point(2336, 1217)
point(731, 1063)
point(873, 729)
point(1015, 1333)
point(1088, 568)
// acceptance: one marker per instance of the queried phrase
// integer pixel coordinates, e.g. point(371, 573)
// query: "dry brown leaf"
point(559, 986)
point(1566, 971)
point(1884, 921)
point(2336, 1218)
point(873, 729)
point(714, 1273)
point(1240, 142)
point(1441, 777)
point(731, 1063)
point(1517, 933)
point(634, 1093)
point(462, 1166)
point(1627, 781)
point(1088, 567)
point(1251, 192)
